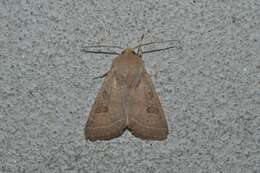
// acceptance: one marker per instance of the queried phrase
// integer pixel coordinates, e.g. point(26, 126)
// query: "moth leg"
point(102, 76)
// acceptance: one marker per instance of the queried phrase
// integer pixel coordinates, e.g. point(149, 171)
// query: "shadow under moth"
point(127, 100)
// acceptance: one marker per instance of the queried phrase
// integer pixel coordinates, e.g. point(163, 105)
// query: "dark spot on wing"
point(101, 109)
point(152, 109)
point(150, 94)
point(105, 95)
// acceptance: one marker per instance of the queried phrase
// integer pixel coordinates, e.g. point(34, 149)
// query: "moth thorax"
point(128, 51)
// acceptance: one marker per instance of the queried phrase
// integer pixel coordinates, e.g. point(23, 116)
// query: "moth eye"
point(101, 109)
point(153, 110)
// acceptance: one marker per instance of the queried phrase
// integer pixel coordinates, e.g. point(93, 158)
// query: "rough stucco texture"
point(209, 86)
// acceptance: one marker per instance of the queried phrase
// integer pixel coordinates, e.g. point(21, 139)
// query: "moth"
point(127, 100)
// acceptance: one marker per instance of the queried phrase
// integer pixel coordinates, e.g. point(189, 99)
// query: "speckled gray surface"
point(209, 89)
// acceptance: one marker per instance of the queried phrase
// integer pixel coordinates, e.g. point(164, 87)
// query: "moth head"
point(128, 51)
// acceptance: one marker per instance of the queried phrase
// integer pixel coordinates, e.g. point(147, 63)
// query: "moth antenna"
point(155, 42)
point(157, 50)
point(140, 50)
point(118, 47)
point(85, 49)
point(102, 76)
point(99, 52)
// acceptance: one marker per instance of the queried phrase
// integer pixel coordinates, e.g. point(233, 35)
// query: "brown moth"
point(127, 100)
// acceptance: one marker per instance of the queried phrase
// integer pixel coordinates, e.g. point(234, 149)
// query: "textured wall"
point(209, 89)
